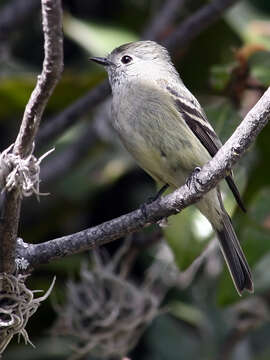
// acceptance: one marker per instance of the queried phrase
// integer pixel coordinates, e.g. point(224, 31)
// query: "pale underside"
point(158, 138)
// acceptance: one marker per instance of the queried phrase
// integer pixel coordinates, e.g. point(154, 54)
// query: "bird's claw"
point(152, 199)
point(192, 177)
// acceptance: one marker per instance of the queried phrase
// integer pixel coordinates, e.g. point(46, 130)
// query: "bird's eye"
point(126, 59)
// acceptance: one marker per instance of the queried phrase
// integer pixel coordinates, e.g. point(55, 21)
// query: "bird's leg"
point(192, 177)
point(158, 194)
point(153, 198)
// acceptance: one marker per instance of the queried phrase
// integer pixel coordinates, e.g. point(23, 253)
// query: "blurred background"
point(163, 293)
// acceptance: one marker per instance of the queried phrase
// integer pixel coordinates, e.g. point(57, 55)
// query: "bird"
point(165, 129)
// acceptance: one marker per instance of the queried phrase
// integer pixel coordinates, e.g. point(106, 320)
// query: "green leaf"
point(15, 92)
point(187, 313)
point(259, 64)
point(223, 117)
point(187, 236)
point(220, 76)
point(249, 23)
point(97, 39)
point(167, 339)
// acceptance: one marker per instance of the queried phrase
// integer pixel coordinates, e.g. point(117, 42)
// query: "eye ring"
point(126, 59)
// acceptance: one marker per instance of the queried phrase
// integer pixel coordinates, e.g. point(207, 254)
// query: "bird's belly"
point(167, 157)
point(157, 136)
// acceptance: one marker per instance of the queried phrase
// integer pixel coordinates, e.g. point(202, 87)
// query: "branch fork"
point(20, 166)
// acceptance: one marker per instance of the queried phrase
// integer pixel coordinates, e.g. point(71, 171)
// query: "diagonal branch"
point(195, 24)
point(55, 126)
point(51, 72)
point(210, 175)
point(165, 17)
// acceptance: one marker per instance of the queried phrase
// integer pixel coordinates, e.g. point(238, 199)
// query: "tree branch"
point(195, 24)
point(210, 175)
point(165, 16)
point(51, 72)
point(56, 125)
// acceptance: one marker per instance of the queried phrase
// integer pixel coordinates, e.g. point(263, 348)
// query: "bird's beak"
point(101, 61)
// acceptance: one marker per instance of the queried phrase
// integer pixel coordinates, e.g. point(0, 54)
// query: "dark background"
point(227, 68)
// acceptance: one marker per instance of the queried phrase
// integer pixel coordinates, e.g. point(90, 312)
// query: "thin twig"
point(165, 16)
point(195, 24)
point(210, 175)
point(59, 123)
point(51, 72)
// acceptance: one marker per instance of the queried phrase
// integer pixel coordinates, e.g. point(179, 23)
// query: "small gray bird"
point(165, 129)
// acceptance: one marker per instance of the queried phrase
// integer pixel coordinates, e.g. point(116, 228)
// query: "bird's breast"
point(155, 133)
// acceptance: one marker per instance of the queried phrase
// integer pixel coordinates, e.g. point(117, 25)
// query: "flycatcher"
point(165, 129)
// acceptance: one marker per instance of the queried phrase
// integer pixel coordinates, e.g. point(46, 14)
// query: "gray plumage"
point(165, 129)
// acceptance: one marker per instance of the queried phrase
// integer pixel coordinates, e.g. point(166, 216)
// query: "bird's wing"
point(196, 120)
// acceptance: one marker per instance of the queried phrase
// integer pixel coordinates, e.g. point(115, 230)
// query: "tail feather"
point(235, 192)
point(234, 256)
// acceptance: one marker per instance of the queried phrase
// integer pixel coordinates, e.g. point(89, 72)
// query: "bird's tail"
point(234, 256)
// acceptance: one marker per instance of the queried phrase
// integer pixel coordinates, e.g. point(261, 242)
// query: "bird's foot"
point(192, 177)
point(152, 199)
